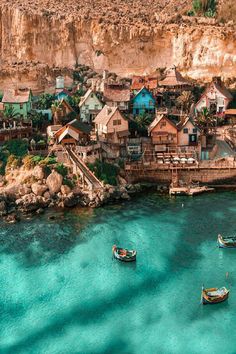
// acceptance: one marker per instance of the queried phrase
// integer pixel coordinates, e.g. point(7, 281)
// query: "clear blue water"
point(61, 292)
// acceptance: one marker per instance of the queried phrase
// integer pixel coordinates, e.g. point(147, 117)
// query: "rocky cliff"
point(46, 39)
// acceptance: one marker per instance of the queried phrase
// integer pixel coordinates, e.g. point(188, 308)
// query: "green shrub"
point(69, 182)
point(16, 147)
point(105, 171)
point(62, 169)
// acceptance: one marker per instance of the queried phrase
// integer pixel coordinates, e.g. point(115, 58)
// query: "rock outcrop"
point(127, 39)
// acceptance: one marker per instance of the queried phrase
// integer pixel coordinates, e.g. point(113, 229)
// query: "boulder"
point(54, 182)
point(46, 195)
point(24, 189)
point(38, 189)
point(65, 189)
point(38, 172)
point(3, 207)
point(70, 201)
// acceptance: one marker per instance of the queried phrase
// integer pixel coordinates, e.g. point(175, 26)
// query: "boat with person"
point(123, 254)
point(226, 241)
point(214, 295)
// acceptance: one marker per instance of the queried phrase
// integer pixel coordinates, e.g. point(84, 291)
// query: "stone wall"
point(208, 176)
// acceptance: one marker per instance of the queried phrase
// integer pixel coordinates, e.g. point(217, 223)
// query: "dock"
point(190, 191)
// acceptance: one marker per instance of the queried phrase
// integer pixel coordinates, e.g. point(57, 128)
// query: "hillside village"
point(106, 130)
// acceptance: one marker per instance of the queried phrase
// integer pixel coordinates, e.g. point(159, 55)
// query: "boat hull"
point(223, 244)
point(208, 300)
point(130, 257)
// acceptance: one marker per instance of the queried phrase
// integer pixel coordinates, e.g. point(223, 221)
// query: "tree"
point(206, 121)
point(45, 101)
point(57, 111)
point(9, 113)
point(38, 119)
point(185, 100)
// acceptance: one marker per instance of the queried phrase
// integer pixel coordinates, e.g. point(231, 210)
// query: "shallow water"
point(61, 292)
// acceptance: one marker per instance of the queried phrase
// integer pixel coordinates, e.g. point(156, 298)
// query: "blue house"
point(143, 102)
point(63, 95)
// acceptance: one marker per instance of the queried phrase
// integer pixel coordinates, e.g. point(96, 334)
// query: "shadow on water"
point(91, 313)
point(40, 240)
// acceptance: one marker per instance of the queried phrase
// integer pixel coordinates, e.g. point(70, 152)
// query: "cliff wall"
point(199, 50)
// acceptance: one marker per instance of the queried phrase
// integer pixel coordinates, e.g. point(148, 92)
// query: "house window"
point(117, 122)
point(163, 124)
point(221, 109)
point(143, 94)
point(185, 130)
point(92, 95)
point(21, 105)
point(195, 130)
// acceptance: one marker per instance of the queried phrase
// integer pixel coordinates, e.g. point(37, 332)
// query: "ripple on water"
point(61, 291)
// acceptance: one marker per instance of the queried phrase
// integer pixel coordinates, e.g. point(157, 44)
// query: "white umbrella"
point(183, 160)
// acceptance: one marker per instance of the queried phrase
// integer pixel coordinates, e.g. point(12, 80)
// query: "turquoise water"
point(61, 292)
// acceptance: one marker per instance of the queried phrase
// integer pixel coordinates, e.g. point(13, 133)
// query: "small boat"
point(123, 254)
point(214, 295)
point(226, 241)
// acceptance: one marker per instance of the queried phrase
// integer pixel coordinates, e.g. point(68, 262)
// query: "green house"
point(18, 99)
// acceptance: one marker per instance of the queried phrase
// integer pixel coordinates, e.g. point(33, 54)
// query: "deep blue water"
point(61, 292)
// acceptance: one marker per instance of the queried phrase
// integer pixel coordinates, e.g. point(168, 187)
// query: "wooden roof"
point(118, 94)
point(157, 120)
point(174, 78)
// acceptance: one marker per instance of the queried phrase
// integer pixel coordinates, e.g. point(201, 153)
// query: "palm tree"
point(206, 120)
point(57, 111)
point(185, 100)
point(9, 113)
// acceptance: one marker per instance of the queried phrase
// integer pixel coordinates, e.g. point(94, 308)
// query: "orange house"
point(74, 132)
point(163, 133)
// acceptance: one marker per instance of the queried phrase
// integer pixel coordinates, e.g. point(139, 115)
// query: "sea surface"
point(61, 292)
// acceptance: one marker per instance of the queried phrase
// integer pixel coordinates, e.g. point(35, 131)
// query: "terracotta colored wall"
point(169, 128)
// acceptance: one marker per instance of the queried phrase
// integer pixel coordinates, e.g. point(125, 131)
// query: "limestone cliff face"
point(200, 51)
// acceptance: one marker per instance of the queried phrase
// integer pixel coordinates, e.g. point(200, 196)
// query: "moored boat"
point(226, 241)
point(214, 295)
point(123, 254)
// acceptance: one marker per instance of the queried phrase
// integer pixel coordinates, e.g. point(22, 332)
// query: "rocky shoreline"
point(30, 192)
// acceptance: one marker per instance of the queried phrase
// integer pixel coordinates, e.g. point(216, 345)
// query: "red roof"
point(16, 96)
point(148, 81)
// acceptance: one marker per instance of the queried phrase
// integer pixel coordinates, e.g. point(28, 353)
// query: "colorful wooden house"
point(20, 100)
point(188, 132)
point(215, 98)
point(163, 133)
point(117, 96)
point(89, 106)
point(111, 126)
point(174, 81)
point(74, 132)
point(143, 102)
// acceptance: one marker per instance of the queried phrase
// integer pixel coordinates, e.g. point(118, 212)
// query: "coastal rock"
point(3, 207)
point(54, 182)
point(38, 172)
point(65, 189)
point(24, 189)
point(70, 201)
point(38, 189)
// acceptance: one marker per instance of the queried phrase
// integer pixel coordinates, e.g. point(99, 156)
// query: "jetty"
point(190, 190)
